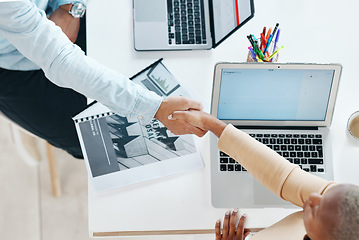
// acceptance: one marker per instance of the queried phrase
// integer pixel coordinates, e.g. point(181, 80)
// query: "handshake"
point(185, 116)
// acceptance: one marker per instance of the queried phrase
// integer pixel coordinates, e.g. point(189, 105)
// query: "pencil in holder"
point(251, 57)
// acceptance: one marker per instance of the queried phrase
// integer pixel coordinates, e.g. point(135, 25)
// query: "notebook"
point(187, 24)
point(120, 151)
point(288, 107)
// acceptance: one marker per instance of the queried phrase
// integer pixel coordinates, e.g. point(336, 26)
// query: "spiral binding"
point(94, 117)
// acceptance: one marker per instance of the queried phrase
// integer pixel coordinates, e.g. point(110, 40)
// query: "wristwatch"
point(77, 10)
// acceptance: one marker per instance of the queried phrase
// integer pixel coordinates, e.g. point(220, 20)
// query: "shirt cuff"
point(146, 106)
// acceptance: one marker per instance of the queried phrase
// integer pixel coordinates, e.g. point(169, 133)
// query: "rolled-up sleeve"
point(273, 171)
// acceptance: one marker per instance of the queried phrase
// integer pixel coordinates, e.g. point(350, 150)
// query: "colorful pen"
point(263, 42)
point(253, 54)
point(268, 43)
point(271, 56)
point(275, 29)
point(276, 39)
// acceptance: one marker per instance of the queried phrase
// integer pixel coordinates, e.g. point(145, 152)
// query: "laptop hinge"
point(278, 127)
point(211, 21)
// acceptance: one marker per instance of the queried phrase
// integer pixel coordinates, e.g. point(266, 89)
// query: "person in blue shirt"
point(45, 75)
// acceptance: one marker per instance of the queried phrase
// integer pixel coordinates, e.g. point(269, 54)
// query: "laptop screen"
point(274, 94)
point(228, 16)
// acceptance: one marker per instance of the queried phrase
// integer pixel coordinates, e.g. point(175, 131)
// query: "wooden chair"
point(19, 136)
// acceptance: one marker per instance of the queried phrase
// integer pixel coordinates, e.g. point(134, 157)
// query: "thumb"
point(177, 115)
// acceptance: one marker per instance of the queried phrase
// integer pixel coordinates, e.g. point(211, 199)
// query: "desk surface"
point(311, 32)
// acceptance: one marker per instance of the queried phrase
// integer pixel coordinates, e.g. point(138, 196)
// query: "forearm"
point(214, 125)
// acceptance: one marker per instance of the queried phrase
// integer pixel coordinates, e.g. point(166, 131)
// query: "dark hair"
point(348, 226)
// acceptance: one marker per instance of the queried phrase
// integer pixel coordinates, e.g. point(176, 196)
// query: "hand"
point(229, 227)
point(68, 24)
point(178, 127)
point(201, 120)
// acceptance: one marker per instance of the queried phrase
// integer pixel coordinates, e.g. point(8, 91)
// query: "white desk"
point(311, 30)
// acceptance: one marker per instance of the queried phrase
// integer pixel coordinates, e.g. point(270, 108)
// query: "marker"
point(264, 31)
point(268, 43)
point(275, 29)
point(268, 34)
point(255, 46)
point(253, 54)
point(271, 56)
point(263, 41)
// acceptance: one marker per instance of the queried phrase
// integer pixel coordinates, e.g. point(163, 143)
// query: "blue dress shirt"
point(29, 41)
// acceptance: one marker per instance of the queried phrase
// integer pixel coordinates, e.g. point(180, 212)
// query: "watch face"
point(78, 10)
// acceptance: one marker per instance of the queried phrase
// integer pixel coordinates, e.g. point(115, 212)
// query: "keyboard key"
point(318, 136)
point(223, 167)
point(315, 161)
point(231, 160)
point(223, 160)
point(320, 170)
point(313, 168)
point(237, 168)
point(222, 154)
point(317, 141)
point(231, 167)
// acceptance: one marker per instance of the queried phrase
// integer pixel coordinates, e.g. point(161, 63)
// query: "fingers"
point(225, 232)
point(232, 224)
point(229, 227)
point(241, 234)
point(191, 117)
point(218, 230)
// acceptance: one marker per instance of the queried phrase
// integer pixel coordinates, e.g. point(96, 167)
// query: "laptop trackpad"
point(150, 10)
point(263, 196)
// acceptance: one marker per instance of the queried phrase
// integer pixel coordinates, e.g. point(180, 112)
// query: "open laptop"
point(187, 24)
point(288, 107)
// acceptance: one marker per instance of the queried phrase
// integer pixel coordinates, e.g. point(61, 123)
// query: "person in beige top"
point(330, 210)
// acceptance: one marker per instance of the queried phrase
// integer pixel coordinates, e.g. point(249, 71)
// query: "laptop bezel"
point(332, 97)
point(212, 25)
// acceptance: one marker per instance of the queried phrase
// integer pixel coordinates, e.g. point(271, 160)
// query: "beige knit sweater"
point(277, 174)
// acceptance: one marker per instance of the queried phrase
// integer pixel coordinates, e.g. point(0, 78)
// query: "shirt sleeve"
point(273, 171)
point(56, 3)
point(64, 63)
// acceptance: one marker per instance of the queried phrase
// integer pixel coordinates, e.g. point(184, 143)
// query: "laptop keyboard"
point(305, 150)
point(186, 24)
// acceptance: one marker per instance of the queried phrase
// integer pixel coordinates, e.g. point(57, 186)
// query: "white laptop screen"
point(228, 15)
point(274, 94)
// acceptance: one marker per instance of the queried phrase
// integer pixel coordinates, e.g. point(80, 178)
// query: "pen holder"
point(250, 58)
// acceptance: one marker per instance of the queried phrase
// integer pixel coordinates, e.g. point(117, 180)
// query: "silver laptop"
point(187, 24)
point(287, 107)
